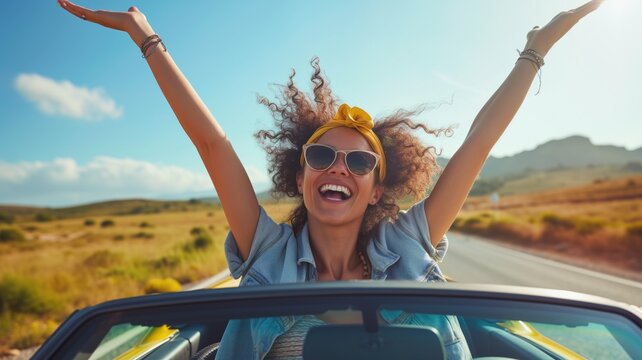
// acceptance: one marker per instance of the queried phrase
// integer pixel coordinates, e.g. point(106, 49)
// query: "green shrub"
point(103, 258)
point(6, 218)
point(107, 223)
point(457, 224)
point(158, 285)
point(30, 228)
point(167, 261)
point(634, 229)
point(589, 226)
point(8, 235)
point(201, 242)
point(89, 222)
point(21, 295)
point(196, 231)
point(471, 223)
point(143, 235)
point(43, 217)
point(119, 237)
point(502, 227)
point(145, 224)
point(554, 220)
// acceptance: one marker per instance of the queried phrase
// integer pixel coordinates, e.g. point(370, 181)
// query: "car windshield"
point(401, 324)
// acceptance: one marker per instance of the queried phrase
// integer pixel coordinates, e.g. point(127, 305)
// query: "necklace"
point(366, 268)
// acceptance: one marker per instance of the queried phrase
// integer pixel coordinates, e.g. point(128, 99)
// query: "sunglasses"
point(359, 162)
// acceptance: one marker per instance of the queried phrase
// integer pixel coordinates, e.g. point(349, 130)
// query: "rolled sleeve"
point(414, 223)
point(267, 234)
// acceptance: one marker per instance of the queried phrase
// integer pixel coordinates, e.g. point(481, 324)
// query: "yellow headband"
point(358, 119)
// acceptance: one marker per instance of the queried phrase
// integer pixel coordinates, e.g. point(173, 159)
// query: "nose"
point(339, 166)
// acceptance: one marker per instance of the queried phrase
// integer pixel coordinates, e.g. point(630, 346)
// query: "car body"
point(498, 321)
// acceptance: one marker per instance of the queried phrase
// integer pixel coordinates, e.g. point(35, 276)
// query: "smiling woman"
point(347, 225)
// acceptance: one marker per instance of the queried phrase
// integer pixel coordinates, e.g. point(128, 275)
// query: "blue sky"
point(82, 119)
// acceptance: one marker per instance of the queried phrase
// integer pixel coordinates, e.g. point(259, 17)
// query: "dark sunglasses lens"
point(319, 157)
point(361, 162)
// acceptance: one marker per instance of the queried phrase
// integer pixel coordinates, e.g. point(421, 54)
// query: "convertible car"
point(498, 322)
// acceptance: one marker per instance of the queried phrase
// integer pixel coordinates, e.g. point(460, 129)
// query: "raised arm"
point(223, 165)
point(455, 182)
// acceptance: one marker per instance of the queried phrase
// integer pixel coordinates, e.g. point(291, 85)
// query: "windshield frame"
point(235, 303)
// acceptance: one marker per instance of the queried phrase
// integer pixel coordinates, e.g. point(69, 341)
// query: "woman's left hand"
point(543, 39)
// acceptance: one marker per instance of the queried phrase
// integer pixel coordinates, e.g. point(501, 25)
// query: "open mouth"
point(334, 192)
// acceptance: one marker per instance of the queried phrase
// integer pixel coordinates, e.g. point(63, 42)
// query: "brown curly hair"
point(410, 165)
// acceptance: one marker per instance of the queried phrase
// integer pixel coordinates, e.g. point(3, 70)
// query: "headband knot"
point(360, 120)
point(353, 117)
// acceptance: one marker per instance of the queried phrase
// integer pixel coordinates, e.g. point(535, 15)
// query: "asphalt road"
point(470, 259)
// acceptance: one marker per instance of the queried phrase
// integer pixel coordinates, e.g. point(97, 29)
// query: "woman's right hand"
point(132, 22)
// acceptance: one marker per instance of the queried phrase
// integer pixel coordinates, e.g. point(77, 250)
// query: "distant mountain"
point(571, 152)
point(262, 196)
point(104, 208)
point(556, 163)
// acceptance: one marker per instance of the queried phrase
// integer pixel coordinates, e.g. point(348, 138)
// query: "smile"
point(335, 192)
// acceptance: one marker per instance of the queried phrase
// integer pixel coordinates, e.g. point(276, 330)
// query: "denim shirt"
point(399, 250)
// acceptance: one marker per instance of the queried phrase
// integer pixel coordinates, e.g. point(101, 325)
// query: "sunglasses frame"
point(345, 156)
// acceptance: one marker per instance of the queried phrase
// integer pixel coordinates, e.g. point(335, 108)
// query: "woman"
point(348, 172)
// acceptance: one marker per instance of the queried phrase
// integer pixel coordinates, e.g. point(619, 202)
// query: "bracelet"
point(536, 60)
point(152, 42)
point(533, 56)
point(148, 39)
point(153, 46)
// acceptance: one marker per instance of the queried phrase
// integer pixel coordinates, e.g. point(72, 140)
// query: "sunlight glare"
point(618, 6)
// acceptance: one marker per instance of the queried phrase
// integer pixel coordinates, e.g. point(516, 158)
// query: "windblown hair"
point(409, 164)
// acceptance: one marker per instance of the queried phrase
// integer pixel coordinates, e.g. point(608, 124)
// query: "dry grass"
point(60, 265)
point(603, 219)
point(74, 263)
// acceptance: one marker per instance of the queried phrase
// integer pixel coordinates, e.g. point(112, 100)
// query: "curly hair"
point(410, 165)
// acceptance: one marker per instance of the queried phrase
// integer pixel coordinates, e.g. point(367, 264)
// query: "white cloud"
point(64, 98)
point(63, 181)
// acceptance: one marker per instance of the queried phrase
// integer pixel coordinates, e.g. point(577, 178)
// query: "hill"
point(570, 152)
point(105, 208)
point(557, 163)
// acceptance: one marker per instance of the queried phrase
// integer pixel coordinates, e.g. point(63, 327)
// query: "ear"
point(377, 193)
point(299, 181)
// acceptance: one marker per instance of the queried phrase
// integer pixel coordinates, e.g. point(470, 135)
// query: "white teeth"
point(339, 188)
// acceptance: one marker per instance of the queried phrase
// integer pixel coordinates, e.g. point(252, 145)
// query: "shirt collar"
point(380, 257)
point(304, 250)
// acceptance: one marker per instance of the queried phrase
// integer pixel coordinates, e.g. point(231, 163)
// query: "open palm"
point(132, 21)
